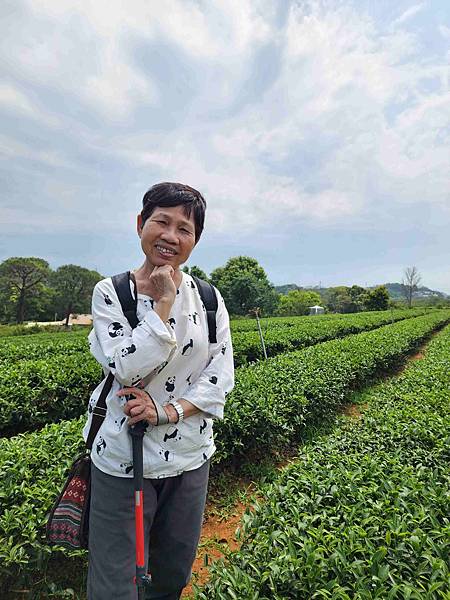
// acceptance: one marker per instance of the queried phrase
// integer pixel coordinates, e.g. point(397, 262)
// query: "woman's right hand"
point(163, 290)
point(161, 284)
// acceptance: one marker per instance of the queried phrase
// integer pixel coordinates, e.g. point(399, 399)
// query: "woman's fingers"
point(139, 408)
point(146, 415)
point(126, 391)
point(136, 406)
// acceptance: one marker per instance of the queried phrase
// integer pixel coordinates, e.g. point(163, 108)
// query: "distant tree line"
point(31, 291)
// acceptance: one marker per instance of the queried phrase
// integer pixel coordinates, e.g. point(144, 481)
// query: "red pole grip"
point(139, 519)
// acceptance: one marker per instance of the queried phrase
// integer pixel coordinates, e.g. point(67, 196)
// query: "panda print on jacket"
point(115, 329)
point(119, 423)
point(100, 446)
point(126, 467)
point(194, 317)
point(170, 383)
point(171, 360)
point(149, 303)
point(187, 348)
point(129, 350)
point(172, 435)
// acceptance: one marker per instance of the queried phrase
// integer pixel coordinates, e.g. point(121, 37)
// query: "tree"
point(41, 304)
point(74, 285)
point(338, 299)
point(195, 271)
point(411, 280)
point(297, 302)
point(22, 278)
point(244, 285)
point(358, 296)
point(378, 298)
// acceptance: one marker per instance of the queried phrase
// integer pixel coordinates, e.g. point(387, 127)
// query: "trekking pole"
point(142, 578)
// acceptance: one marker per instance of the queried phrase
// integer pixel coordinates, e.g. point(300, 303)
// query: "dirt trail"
point(218, 536)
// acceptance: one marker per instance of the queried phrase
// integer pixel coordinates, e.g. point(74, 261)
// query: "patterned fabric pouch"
point(68, 522)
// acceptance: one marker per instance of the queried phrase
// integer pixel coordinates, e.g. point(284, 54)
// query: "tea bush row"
point(46, 345)
point(271, 405)
point(273, 400)
point(306, 331)
point(57, 386)
point(364, 513)
point(273, 322)
point(42, 345)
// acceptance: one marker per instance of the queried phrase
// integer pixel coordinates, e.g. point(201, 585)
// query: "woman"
point(170, 355)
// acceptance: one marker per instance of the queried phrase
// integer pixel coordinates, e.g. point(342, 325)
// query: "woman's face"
point(168, 236)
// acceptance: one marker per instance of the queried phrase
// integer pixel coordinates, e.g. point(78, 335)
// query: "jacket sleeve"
point(131, 354)
point(209, 390)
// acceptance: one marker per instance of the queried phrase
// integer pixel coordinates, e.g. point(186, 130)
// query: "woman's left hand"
point(141, 407)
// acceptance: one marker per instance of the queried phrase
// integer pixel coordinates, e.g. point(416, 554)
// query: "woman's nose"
point(170, 235)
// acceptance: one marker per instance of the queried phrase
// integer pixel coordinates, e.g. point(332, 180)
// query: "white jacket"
point(183, 364)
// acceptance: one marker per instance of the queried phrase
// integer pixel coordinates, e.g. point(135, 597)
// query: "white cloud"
point(13, 100)
point(85, 49)
point(11, 149)
point(410, 13)
point(344, 119)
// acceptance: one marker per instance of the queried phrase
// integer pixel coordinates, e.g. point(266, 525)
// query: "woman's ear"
point(139, 224)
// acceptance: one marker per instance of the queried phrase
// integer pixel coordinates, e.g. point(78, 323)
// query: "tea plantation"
point(362, 513)
point(46, 378)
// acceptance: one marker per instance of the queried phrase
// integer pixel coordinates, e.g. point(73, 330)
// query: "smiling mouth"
point(165, 251)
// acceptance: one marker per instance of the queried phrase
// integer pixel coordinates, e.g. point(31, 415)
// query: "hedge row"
point(42, 345)
point(273, 322)
point(46, 345)
point(57, 386)
point(271, 405)
point(34, 393)
point(272, 401)
point(307, 331)
point(362, 514)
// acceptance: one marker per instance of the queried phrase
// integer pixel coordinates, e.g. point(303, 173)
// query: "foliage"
point(40, 391)
point(297, 302)
point(244, 285)
point(339, 299)
point(25, 330)
point(271, 406)
point(73, 287)
point(377, 299)
point(362, 513)
point(195, 271)
point(20, 280)
point(47, 379)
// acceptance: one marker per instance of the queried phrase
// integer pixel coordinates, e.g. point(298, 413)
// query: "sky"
point(318, 132)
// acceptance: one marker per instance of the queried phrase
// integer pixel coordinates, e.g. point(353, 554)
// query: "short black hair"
point(176, 194)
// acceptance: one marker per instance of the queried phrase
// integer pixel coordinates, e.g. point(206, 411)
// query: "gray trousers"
point(173, 514)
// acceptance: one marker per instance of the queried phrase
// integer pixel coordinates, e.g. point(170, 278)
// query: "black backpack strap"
point(99, 411)
point(208, 295)
point(121, 284)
